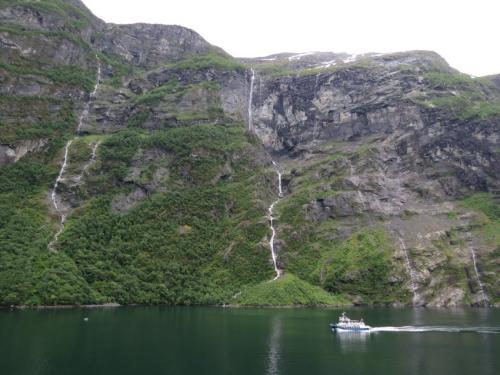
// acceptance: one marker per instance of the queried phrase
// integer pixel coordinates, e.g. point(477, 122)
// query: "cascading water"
point(271, 223)
point(91, 160)
point(250, 98)
point(53, 195)
point(85, 112)
point(474, 263)
point(410, 270)
point(362, 199)
point(83, 116)
point(315, 128)
point(316, 81)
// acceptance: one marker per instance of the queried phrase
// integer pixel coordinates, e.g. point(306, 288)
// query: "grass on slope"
point(289, 290)
point(195, 241)
point(29, 274)
point(488, 228)
point(211, 60)
point(74, 17)
point(360, 266)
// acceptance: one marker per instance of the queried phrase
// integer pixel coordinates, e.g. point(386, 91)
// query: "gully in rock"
point(90, 162)
point(271, 223)
point(85, 111)
point(53, 196)
point(83, 117)
point(410, 270)
point(484, 297)
point(250, 99)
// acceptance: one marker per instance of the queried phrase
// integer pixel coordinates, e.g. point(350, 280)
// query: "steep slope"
point(379, 152)
point(128, 174)
point(161, 194)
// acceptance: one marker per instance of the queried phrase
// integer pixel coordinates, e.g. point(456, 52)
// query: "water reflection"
point(352, 341)
point(274, 352)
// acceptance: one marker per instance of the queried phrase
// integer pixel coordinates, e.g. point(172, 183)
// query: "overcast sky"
point(464, 32)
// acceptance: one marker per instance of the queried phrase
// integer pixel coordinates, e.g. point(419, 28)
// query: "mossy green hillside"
point(488, 228)
point(74, 17)
point(180, 104)
point(195, 240)
point(288, 290)
point(361, 265)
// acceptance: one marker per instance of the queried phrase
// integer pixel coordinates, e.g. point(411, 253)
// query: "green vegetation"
point(119, 69)
point(466, 106)
point(273, 68)
point(482, 110)
point(74, 17)
point(64, 74)
point(362, 266)
point(50, 118)
point(488, 228)
point(448, 80)
point(171, 98)
point(28, 273)
point(289, 290)
point(194, 239)
point(212, 60)
point(468, 100)
point(282, 68)
point(489, 223)
point(36, 34)
point(155, 95)
point(138, 118)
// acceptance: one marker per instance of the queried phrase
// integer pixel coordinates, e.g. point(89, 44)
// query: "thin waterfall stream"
point(410, 270)
point(271, 222)
point(85, 112)
point(474, 263)
point(250, 99)
point(54, 196)
point(90, 162)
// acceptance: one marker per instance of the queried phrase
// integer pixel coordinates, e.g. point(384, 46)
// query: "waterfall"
point(53, 195)
point(58, 233)
point(85, 112)
point(271, 223)
point(362, 199)
point(83, 117)
point(90, 162)
point(316, 81)
point(473, 256)
point(410, 270)
point(315, 128)
point(250, 97)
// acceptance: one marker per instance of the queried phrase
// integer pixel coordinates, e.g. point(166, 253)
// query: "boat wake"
point(452, 329)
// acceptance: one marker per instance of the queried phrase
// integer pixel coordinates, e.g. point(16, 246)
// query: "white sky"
point(466, 33)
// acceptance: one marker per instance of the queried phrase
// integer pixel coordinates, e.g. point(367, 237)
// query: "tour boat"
point(346, 324)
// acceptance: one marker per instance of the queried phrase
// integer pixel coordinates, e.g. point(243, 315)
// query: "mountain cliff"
point(138, 164)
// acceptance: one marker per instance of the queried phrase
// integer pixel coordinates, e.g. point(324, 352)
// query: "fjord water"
point(210, 340)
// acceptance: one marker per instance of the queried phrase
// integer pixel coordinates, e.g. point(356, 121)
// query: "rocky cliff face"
point(383, 142)
point(390, 168)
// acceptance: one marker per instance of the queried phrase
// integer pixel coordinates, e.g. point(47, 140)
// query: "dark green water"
point(202, 340)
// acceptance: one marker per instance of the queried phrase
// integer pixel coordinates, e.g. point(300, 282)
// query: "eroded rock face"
point(381, 157)
point(11, 154)
point(151, 45)
point(360, 140)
